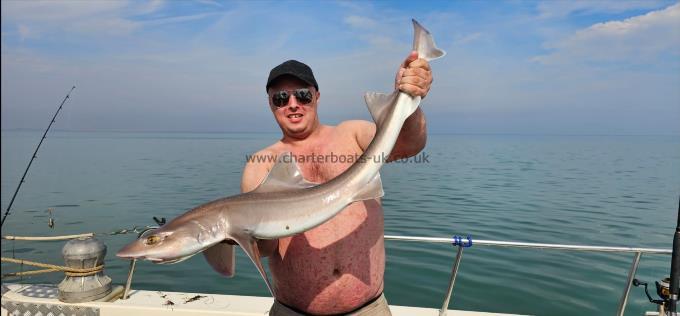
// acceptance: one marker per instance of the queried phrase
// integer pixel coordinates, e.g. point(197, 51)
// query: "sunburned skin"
point(338, 265)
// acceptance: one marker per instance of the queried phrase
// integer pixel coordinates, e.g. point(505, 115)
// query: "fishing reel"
point(662, 290)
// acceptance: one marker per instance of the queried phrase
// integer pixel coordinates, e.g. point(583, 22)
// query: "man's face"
point(296, 119)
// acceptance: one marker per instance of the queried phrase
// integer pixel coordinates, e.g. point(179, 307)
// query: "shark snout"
point(128, 253)
point(157, 249)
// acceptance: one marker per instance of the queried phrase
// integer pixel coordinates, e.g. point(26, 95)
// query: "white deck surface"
point(152, 303)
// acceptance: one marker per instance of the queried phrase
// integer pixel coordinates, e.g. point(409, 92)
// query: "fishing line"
point(34, 156)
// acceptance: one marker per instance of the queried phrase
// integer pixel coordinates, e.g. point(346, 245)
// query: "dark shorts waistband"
point(373, 300)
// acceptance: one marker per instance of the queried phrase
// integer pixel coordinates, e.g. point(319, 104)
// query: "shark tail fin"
point(424, 44)
point(221, 257)
point(372, 190)
point(379, 104)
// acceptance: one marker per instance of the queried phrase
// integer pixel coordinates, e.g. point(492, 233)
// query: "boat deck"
point(18, 298)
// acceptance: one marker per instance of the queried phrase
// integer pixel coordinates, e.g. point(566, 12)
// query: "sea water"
point(591, 190)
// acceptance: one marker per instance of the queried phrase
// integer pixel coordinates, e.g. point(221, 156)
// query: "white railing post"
point(638, 251)
point(454, 272)
point(629, 284)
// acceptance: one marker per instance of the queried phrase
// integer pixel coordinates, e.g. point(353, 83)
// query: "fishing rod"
point(674, 283)
point(34, 156)
point(668, 289)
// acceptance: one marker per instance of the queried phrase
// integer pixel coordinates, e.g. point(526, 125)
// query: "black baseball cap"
point(295, 69)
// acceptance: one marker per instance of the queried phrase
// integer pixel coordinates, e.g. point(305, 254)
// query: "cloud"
point(360, 22)
point(180, 68)
point(560, 9)
point(635, 40)
point(467, 38)
point(213, 3)
point(180, 19)
point(88, 17)
point(45, 17)
point(48, 11)
point(150, 7)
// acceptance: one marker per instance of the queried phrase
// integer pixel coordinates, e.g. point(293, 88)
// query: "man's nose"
point(293, 102)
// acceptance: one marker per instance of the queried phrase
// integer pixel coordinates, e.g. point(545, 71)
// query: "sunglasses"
point(280, 98)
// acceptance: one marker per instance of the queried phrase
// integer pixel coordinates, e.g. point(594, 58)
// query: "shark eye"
point(153, 239)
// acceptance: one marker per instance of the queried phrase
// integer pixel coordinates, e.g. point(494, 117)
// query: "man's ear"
point(318, 95)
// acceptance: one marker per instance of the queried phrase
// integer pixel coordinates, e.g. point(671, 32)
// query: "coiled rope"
point(47, 238)
point(69, 271)
point(122, 231)
point(56, 268)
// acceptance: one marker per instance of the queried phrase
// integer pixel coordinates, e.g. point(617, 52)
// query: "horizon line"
point(261, 132)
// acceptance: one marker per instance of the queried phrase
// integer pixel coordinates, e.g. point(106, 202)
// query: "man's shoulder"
point(355, 125)
point(257, 166)
point(363, 131)
point(266, 156)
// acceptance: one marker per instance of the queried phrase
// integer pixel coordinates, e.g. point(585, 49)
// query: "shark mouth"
point(167, 261)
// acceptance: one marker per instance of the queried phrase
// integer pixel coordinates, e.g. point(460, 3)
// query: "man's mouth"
point(295, 117)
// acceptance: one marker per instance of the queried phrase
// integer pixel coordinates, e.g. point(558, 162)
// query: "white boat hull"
point(160, 303)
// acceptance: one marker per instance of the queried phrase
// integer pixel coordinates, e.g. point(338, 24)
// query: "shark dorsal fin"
point(378, 104)
point(284, 176)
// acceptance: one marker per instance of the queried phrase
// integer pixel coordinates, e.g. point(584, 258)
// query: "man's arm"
point(253, 174)
point(412, 137)
point(415, 78)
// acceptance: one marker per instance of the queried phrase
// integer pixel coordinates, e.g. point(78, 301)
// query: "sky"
point(514, 67)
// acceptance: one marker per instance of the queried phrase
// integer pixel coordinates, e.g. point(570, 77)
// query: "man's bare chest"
point(323, 162)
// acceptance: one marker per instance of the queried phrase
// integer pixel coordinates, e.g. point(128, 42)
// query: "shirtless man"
point(337, 267)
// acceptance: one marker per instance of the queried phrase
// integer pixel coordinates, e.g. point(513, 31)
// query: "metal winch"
point(82, 253)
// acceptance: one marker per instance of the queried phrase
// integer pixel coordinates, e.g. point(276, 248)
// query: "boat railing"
point(465, 243)
point(461, 244)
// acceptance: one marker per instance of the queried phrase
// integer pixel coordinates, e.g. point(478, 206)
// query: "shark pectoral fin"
point(378, 103)
point(249, 245)
point(372, 190)
point(221, 257)
point(284, 176)
point(424, 44)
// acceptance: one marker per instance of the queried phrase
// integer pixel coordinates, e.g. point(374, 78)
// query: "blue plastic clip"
point(458, 241)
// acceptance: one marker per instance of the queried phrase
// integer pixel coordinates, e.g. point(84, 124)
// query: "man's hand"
point(414, 76)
